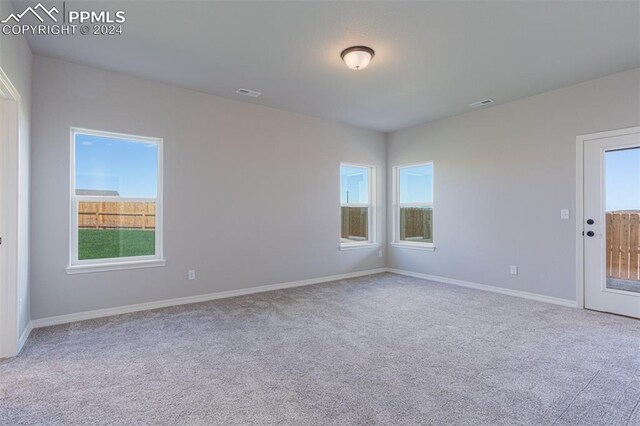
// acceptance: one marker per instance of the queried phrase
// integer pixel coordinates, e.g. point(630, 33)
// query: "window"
point(357, 220)
point(413, 206)
point(116, 201)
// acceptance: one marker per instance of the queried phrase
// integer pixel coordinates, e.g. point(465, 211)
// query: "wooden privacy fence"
point(416, 222)
point(113, 215)
point(355, 222)
point(623, 245)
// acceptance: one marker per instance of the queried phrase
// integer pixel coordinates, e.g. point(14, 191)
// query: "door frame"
point(9, 218)
point(580, 142)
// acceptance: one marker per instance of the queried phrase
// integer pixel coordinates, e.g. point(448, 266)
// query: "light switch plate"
point(564, 214)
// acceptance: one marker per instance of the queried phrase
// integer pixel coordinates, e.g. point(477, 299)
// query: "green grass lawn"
point(106, 243)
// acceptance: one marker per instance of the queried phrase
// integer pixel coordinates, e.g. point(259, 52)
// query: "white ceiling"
point(432, 58)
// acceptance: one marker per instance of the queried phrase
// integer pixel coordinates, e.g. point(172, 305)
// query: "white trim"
point(116, 135)
point(415, 164)
point(100, 313)
point(580, 141)
point(356, 246)
point(430, 204)
point(115, 266)
point(101, 265)
point(7, 89)
point(113, 198)
point(579, 222)
point(361, 205)
point(623, 292)
point(10, 217)
point(25, 335)
point(415, 246)
point(489, 288)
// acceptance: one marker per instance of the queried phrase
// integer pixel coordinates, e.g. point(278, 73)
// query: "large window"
point(116, 201)
point(355, 203)
point(413, 205)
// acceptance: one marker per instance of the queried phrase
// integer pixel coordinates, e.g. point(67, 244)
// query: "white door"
point(611, 222)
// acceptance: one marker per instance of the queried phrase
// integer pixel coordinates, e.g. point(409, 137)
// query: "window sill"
point(356, 246)
point(115, 266)
point(415, 246)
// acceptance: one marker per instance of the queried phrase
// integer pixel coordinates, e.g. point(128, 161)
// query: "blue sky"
point(622, 174)
point(416, 184)
point(355, 181)
point(131, 168)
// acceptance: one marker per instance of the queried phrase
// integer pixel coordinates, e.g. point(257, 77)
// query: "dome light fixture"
point(357, 57)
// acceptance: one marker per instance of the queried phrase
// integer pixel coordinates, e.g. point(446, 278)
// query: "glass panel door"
point(622, 195)
point(611, 222)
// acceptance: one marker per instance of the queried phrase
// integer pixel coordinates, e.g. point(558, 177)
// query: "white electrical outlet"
point(379, 253)
point(513, 270)
point(564, 214)
point(192, 275)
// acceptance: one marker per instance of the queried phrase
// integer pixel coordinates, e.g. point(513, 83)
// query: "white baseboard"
point(100, 313)
point(107, 312)
point(25, 335)
point(485, 287)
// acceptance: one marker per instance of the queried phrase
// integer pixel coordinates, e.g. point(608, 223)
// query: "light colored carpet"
point(382, 349)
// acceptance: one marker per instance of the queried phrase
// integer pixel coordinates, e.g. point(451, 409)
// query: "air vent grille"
point(483, 102)
point(248, 92)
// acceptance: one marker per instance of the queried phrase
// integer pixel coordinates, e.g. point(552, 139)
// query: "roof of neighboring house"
point(97, 192)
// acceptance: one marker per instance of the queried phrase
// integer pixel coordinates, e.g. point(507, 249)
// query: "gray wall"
point(15, 60)
point(251, 193)
point(502, 174)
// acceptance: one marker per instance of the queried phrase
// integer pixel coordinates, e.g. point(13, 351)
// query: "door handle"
point(590, 234)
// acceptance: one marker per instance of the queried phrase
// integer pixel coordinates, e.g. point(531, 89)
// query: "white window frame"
point(371, 213)
point(396, 242)
point(130, 262)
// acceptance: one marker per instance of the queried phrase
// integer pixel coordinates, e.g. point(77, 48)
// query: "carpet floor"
point(383, 349)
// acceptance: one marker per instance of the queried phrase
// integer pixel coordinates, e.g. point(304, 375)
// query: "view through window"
point(115, 197)
point(622, 215)
point(355, 202)
point(414, 206)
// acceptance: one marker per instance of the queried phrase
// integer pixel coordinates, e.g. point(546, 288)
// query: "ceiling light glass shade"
point(357, 57)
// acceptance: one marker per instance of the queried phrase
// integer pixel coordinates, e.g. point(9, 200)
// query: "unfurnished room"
point(319, 212)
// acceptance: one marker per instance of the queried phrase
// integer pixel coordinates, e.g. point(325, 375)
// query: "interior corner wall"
point(502, 175)
point(16, 61)
point(251, 194)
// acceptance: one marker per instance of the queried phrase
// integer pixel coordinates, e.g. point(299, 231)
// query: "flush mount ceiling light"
point(357, 57)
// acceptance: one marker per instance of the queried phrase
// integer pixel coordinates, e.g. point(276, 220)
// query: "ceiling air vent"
point(248, 92)
point(481, 103)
